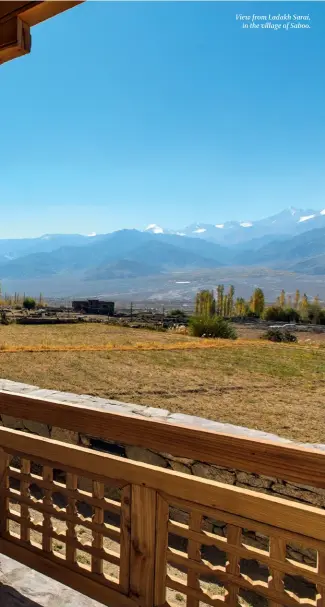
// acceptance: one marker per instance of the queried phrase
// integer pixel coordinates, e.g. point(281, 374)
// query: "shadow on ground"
point(9, 597)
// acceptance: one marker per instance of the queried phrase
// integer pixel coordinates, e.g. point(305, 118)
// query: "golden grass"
point(273, 387)
point(202, 344)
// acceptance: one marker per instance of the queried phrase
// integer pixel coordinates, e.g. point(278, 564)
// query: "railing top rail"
point(286, 461)
point(276, 512)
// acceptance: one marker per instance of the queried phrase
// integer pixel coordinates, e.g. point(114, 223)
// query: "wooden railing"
point(285, 461)
point(130, 506)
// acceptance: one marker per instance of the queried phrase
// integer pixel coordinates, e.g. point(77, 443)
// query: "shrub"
point(281, 314)
point(251, 314)
point(215, 326)
point(316, 314)
point(277, 335)
point(29, 303)
point(178, 313)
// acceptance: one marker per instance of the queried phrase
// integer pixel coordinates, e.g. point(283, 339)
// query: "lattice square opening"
point(83, 559)
point(35, 516)
point(213, 555)
point(84, 511)
point(60, 476)
point(15, 462)
point(60, 500)
point(217, 528)
point(111, 572)
point(178, 573)
point(249, 598)
point(300, 588)
point(111, 545)
point(112, 492)
point(14, 507)
point(59, 549)
point(36, 539)
point(301, 554)
point(211, 586)
point(255, 539)
point(14, 529)
point(14, 484)
point(178, 543)
point(85, 484)
point(36, 469)
point(179, 516)
point(84, 535)
point(59, 526)
point(111, 518)
point(254, 571)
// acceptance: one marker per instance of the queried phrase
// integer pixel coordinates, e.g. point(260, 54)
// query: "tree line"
point(19, 301)
point(287, 307)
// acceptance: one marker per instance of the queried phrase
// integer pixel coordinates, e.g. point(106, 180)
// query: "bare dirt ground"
point(249, 382)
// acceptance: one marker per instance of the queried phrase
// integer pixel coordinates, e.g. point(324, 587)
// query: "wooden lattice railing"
point(105, 526)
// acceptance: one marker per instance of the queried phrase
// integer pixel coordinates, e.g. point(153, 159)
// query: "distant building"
point(94, 306)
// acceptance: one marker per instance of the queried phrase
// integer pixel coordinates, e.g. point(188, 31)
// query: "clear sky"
point(126, 114)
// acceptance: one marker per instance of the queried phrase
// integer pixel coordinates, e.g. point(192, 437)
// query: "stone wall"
point(265, 484)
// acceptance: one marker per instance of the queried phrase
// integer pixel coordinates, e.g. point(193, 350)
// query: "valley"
point(284, 251)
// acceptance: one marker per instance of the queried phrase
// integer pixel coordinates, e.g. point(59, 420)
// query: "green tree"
point(219, 303)
point(304, 307)
point(297, 299)
point(257, 302)
point(29, 303)
point(282, 299)
point(240, 307)
point(205, 304)
point(230, 300)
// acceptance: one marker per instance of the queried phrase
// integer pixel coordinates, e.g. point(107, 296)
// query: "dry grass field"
point(273, 387)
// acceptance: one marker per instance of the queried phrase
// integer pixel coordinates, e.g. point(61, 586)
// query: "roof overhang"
point(16, 19)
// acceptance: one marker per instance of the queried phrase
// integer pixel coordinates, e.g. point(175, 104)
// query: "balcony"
point(117, 530)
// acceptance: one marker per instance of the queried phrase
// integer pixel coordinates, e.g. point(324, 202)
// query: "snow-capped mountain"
point(288, 222)
point(152, 228)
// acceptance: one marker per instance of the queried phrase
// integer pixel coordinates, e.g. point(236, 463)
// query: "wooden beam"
point(15, 39)
point(285, 461)
point(10, 9)
point(16, 18)
point(46, 10)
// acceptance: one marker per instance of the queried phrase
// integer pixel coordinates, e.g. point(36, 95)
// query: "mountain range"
point(289, 222)
point(292, 240)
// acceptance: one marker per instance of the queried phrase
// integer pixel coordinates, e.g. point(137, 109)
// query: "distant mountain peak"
point(154, 229)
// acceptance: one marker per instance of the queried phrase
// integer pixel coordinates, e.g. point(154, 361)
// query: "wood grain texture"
point(258, 507)
point(125, 539)
point(78, 581)
point(232, 566)
point(161, 551)
point(194, 553)
point(285, 461)
point(4, 486)
point(143, 539)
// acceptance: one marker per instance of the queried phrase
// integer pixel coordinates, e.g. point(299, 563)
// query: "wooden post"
point(143, 539)
point(4, 481)
point(162, 520)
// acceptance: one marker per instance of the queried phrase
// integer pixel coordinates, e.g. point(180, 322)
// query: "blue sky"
point(126, 114)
